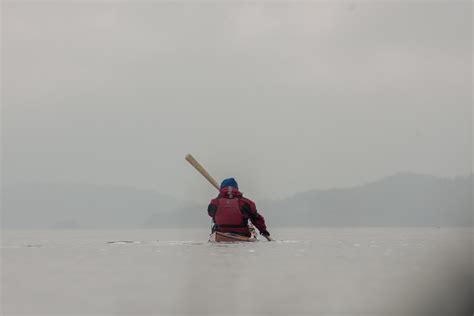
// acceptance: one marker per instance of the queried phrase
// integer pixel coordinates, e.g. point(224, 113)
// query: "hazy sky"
point(284, 96)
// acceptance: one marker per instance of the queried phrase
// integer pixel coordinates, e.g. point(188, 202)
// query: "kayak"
point(230, 237)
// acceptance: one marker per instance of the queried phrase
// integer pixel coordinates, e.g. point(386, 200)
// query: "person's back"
point(231, 211)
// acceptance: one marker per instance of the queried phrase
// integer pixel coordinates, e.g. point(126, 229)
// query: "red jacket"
point(248, 211)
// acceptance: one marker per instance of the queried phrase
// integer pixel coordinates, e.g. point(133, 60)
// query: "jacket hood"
point(229, 191)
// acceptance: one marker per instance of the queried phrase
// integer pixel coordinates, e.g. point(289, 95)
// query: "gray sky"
point(285, 97)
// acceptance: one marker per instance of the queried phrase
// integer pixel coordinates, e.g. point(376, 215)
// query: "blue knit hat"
point(230, 182)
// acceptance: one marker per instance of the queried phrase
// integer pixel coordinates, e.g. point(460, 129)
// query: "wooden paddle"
point(201, 170)
point(208, 177)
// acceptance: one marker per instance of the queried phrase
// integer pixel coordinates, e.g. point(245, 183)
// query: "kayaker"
point(230, 211)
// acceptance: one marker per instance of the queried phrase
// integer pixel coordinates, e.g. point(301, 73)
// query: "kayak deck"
point(230, 237)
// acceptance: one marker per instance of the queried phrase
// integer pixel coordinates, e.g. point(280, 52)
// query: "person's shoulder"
point(214, 201)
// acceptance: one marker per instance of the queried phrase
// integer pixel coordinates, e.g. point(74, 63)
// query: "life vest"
point(228, 213)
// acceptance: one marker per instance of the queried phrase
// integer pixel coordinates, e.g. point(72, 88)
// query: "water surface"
point(332, 271)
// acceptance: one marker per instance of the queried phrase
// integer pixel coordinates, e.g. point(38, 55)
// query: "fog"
point(286, 97)
point(348, 122)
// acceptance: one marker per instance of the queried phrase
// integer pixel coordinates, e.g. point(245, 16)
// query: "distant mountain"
point(182, 217)
point(404, 199)
point(400, 200)
point(80, 206)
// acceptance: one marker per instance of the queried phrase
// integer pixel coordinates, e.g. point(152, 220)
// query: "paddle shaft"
point(202, 171)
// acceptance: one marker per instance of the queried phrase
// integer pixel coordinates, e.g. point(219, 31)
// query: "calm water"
point(373, 271)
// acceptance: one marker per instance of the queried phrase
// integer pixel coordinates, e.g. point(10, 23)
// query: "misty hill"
point(403, 199)
point(399, 200)
point(80, 206)
point(182, 217)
